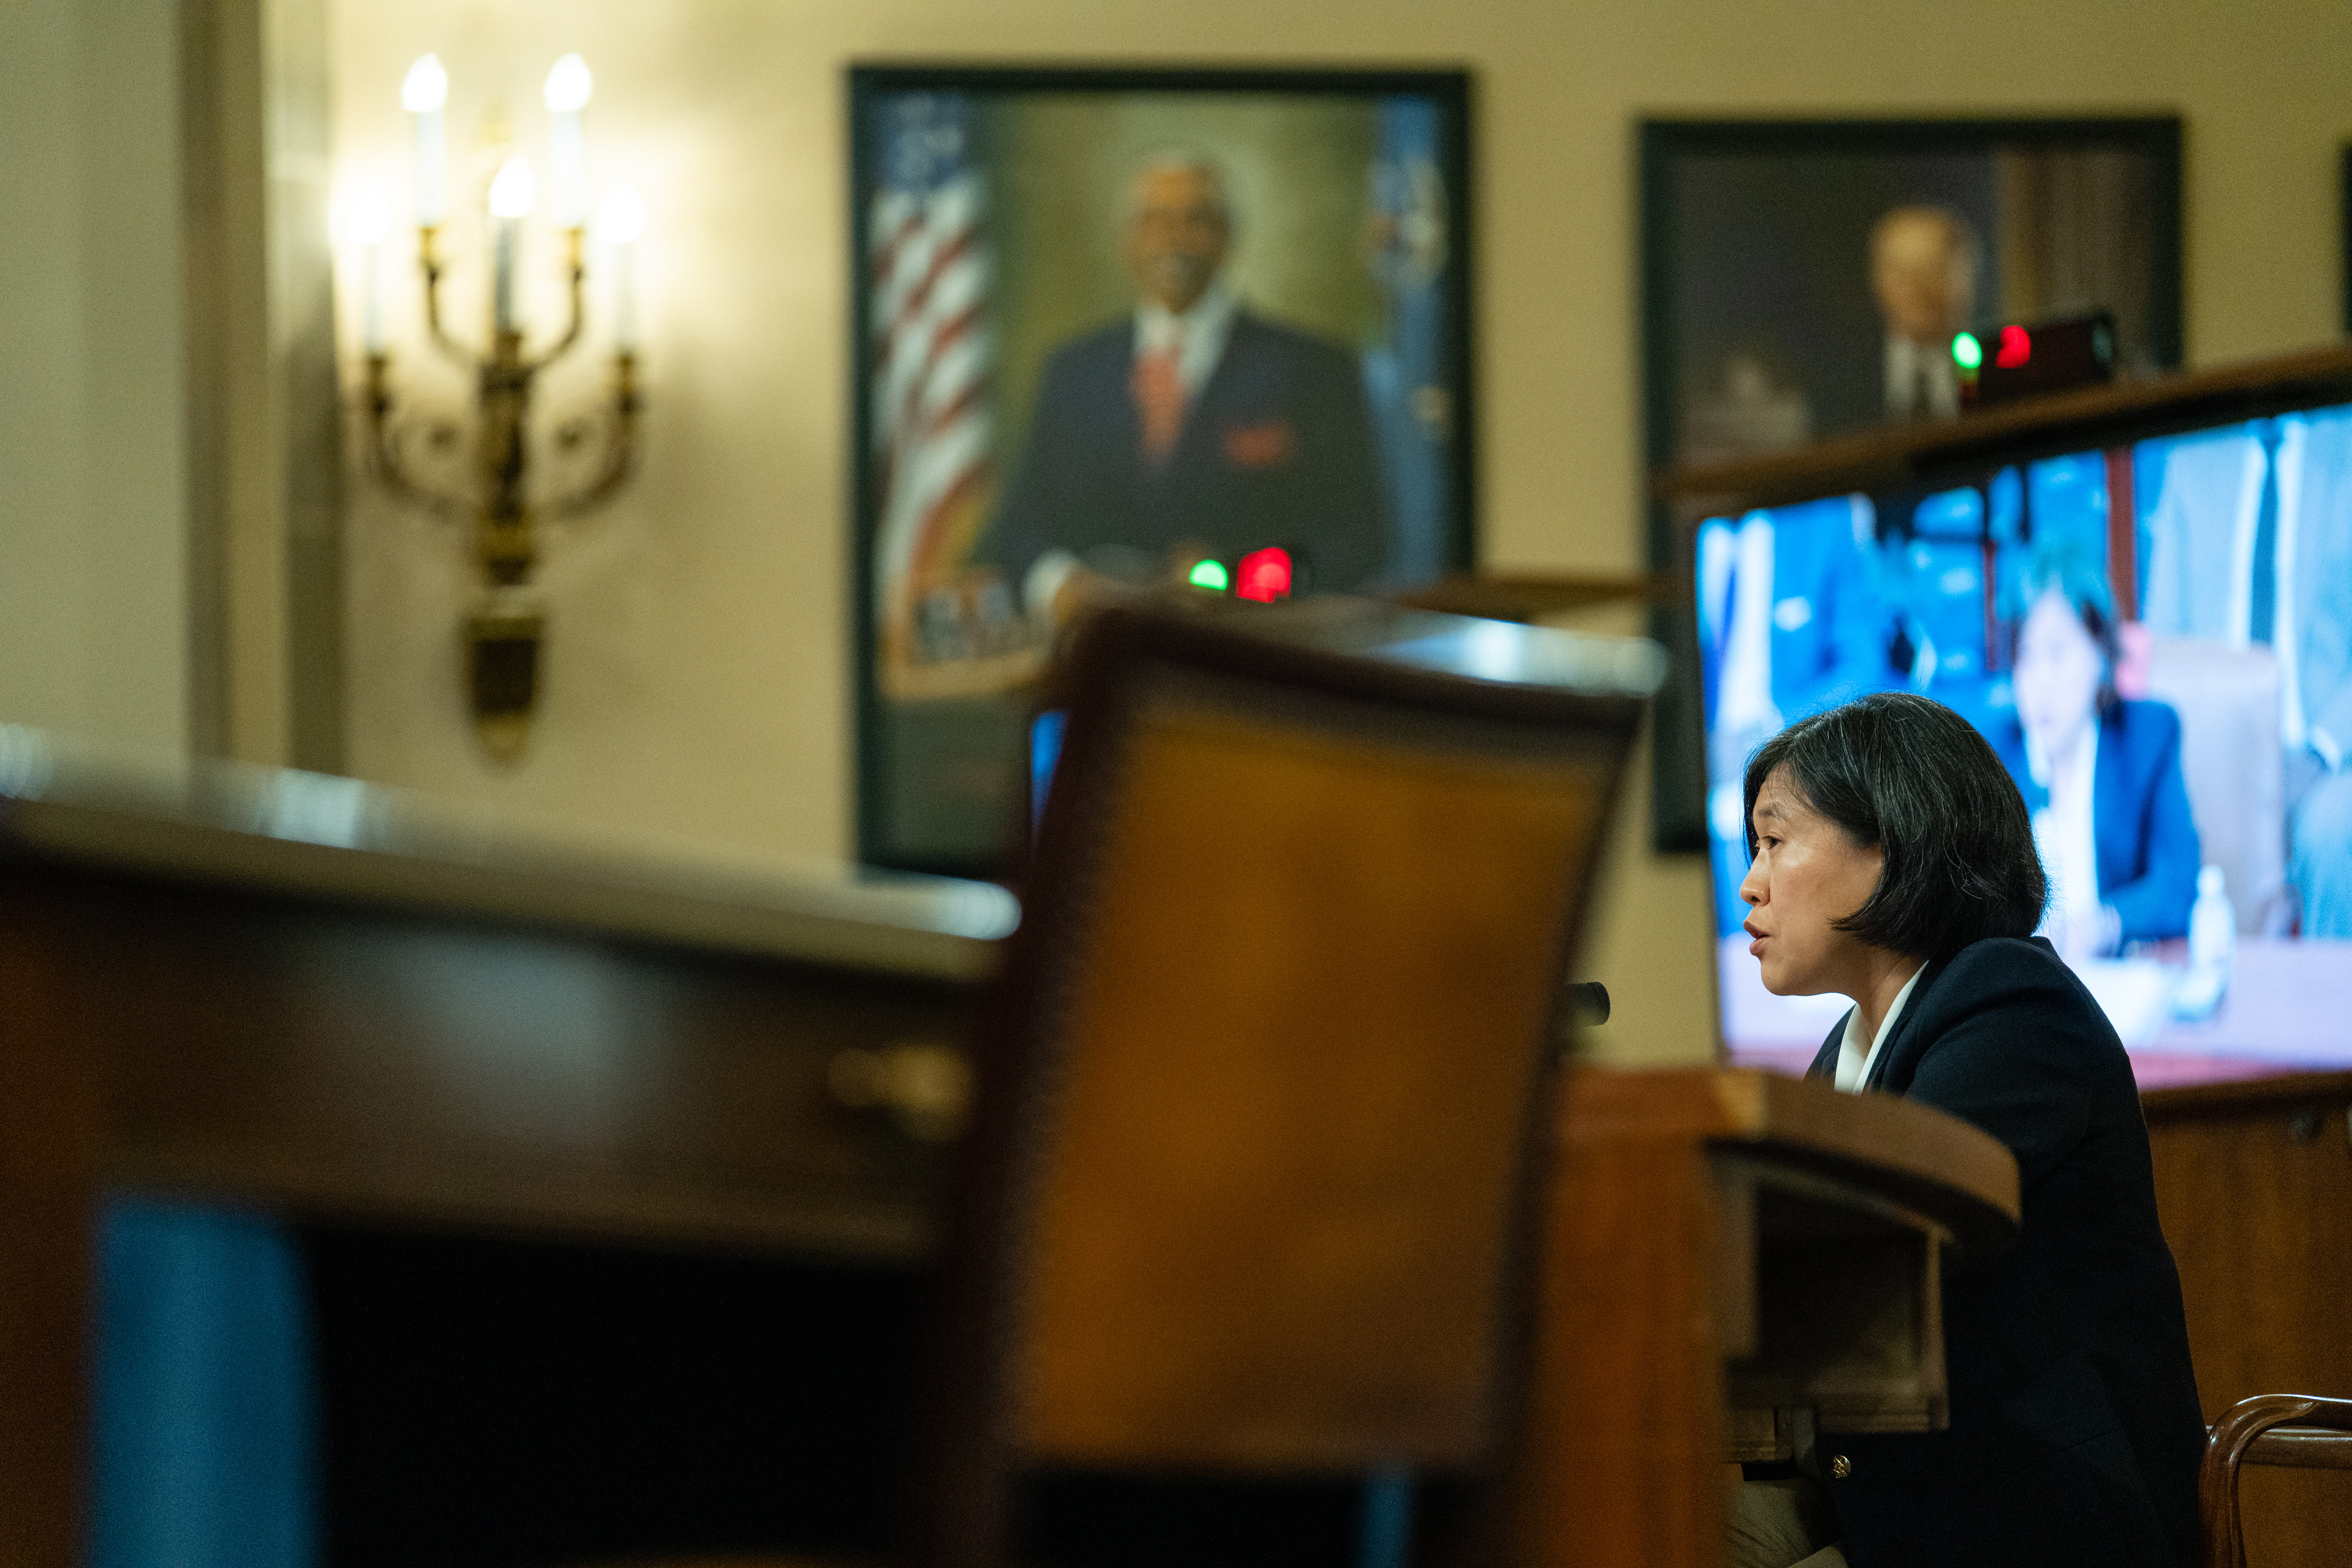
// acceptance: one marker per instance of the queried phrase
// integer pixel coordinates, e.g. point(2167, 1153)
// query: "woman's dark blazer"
point(2075, 1433)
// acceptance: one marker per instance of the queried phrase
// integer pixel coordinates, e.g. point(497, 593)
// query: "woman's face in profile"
point(1808, 872)
point(2059, 668)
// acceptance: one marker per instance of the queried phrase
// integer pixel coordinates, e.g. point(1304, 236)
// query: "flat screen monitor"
point(2155, 637)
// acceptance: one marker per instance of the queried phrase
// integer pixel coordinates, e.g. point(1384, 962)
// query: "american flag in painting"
point(929, 371)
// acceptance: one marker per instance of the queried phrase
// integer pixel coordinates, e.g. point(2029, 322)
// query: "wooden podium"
point(1733, 1256)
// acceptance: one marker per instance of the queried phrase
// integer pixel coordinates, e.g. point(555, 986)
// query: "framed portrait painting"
point(1120, 329)
point(1805, 280)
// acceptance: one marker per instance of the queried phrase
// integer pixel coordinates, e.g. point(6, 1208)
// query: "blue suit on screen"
point(2204, 496)
point(1828, 627)
point(2146, 842)
point(1826, 645)
point(2318, 593)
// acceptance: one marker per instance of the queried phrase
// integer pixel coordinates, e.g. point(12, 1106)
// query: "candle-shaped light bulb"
point(622, 219)
point(619, 223)
point(423, 94)
point(425, 89)
point(512, 191)
point(359, 217)
point(359, 220)
point(567, 86)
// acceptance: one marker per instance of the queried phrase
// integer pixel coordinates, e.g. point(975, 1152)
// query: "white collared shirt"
point(1920, 381)
point(2065, 831)
point(1854, 1061)
point(1203, 330)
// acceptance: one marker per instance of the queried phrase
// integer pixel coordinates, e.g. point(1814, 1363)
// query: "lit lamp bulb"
point(567, 86)
point(512, 191)
point(622, 219)
point(423, 93)
point(359, 220)
point(620, 222)
point(360, 216)
point(425, 89)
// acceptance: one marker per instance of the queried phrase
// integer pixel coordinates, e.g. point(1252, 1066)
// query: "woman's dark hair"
point(2082, 582)
point(1914, 780)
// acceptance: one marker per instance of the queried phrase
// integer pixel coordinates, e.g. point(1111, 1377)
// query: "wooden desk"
point(1727, 1239)
point(328, 999)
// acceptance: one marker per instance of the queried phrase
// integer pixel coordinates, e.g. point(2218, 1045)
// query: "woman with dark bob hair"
point(1894, 864)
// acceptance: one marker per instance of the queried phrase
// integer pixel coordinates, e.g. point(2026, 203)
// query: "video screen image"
point(2156, 640)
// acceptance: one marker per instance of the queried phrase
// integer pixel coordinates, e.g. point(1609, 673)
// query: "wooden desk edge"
point(524, 886)
point(2286, 1086)
point(1916, 1147)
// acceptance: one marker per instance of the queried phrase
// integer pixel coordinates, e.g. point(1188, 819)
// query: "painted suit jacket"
point(1275, 449)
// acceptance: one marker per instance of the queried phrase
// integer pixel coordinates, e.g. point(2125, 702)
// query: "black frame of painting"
point(1678, 775)
point(2343, 227)
point(1450, 88)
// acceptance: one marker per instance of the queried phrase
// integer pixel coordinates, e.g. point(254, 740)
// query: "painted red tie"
point(1160, 400)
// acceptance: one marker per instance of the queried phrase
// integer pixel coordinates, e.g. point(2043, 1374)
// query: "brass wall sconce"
point(504, 636)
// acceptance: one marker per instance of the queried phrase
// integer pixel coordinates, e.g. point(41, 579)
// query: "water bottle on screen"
point(2212, 946)
point(2213, 923)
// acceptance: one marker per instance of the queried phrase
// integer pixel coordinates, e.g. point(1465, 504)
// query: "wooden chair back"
point(1250, 1181)
point(2299, 1430)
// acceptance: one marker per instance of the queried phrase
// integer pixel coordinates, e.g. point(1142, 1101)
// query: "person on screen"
point(2101, 775)
point(2316, 586)
point(1922, 273)
point(1895, 864)
point(2276, 492)
point(1192, 427)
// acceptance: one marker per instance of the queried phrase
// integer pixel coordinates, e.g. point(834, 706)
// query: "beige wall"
point(697, 657)
point(93, 569)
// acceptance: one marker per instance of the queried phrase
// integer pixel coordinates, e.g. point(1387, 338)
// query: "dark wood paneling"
point(2254, 1183)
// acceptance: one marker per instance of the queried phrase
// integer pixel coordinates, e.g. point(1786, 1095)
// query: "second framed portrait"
point(1806, 280)
point(1119, 329)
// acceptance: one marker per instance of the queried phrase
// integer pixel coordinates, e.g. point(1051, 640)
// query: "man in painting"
point(1922, 273)
point(1192, 428)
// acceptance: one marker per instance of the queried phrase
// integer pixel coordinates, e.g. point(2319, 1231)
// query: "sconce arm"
point(574, 237)
point(620, 449)
point(431, 263)
point(383, 463)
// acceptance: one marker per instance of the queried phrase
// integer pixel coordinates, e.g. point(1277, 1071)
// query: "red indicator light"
point(1263, 575)
point(2016, 348)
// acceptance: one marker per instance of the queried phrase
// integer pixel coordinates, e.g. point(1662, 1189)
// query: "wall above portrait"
point(1122, 328)
point(1803, 280)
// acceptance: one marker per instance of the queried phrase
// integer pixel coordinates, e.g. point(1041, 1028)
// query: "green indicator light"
point(1211, 575)
point(1967, 352)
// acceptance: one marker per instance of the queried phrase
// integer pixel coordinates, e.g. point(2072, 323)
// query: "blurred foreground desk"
point(332, 1002)
point(1733, 1253)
